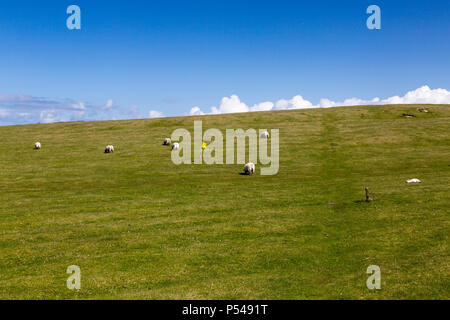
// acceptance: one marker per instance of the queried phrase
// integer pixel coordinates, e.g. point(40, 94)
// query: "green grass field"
point(141, 227)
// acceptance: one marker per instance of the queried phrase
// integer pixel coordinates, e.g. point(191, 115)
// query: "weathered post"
point(367, 195)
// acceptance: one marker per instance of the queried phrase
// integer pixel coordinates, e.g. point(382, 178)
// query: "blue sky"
point(170, 56)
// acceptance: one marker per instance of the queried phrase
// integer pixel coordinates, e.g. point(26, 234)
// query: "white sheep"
point(264, 135)
point(249, 168)
point(175, 146)
point(109, 149)
point(167, 141)
point(37, 145)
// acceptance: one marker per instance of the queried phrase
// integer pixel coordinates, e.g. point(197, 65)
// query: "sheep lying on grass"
point(167, 142)
point(249, 168)
point(37, 145)
point(175, 146)
point(109, 149)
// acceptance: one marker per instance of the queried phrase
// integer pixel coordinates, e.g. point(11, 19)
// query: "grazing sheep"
point(249, 168)
point(109, 149)
point(37, 145)
point(264, 135)
point(415, 180)
point(167, 142)
point(175, 146)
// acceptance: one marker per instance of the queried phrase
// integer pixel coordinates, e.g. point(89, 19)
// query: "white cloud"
point(233, 104)
point(422, 95)
point(195, 111)
point(52, 115)
point(78, 106)
point(155, 114)
point(109, 104)
point(296, 102)
point(326, 103)
point(263, 106)
point(230, 105)
point(21, 109)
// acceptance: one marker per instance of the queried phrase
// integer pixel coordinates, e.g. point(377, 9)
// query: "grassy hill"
point(141, 227)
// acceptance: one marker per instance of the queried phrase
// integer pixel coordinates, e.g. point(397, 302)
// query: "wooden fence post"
point(367, 195)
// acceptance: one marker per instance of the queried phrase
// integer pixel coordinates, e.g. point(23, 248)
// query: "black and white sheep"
point(175, 146)
point(264, 135)
point(109, 149)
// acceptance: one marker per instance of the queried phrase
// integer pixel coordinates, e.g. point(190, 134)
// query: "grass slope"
point(142, 228)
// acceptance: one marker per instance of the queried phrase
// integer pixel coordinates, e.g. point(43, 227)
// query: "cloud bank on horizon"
point(25, 109)
point(422, 95)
